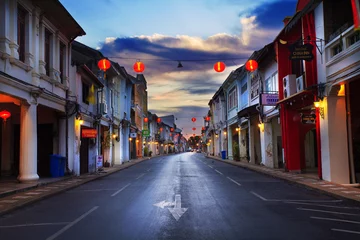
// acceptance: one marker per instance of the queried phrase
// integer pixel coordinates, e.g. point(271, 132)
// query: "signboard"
point(255, 84)
point(308, 118)
point(301, 52)
point(88, 133)
point(269, 99)
point(99, 161)
point(133, 135)
point(157, 137)
point(146, 133)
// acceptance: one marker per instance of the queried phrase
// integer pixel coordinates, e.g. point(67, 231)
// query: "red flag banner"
point(356, 13)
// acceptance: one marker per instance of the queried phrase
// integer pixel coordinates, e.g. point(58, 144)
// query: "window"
point(272, 84)
point(233, 99)
point(85, 93)
point(354, 38)
point(21, 15)
point(62, 61)
point(47, 51)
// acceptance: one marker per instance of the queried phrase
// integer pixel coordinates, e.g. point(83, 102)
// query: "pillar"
point(62, 137)
point(13, 29)
point(229, 139)
point(252, 129)
point(6, 148)
point(5, 28)
point(28, 142)
point(266, 137)
point(35, 48)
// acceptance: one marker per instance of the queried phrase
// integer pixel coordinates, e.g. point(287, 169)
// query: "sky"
point(197, 33)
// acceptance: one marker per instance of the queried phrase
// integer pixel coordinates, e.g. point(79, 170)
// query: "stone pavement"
point(306, 180)
point(25, 194)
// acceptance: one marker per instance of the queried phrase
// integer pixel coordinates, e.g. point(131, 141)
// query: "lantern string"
point(181, 60)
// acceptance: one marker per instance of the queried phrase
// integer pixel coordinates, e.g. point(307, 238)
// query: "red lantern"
point(251, 65)
point(193, 119)
point(158, 120)
point(139, 67)
point(194, 134)
point(203, 128)
point(161, 129)
point(170, 134)
point(5, 115)
point(193, 129)
point(207, 118)
point(104, 64)
point(219, 66)
point(146, 119)
point(171, 129)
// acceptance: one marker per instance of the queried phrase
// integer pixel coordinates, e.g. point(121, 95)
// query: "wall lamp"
point(318, 106)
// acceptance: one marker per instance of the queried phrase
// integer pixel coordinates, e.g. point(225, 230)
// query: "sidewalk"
point(15, 195)
point(306, 180)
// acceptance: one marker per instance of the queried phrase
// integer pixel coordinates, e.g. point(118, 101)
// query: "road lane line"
point(316, 210)
point(321, 205)
point(342, 230)
point(115, 193)
point(61, 231)
point(257, 195)
point(140, 176)
point(148, 170)
point(210, 167)
point(234, 181)
point(335, 220)
point(35, 224)
point(218, 172)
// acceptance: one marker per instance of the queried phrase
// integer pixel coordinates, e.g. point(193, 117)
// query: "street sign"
point(269, 99)
point(308, 118)
point(301, 52)
point(146, 133)
point(133, 135)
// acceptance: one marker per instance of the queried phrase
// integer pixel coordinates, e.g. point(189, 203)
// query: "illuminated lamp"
point(139, 67)
point(193, 119)
point(219, 67)
point(146, 120)
point(251, 65)
point(158, 120)
point(194, 134)
point(203, 128)
point(207, 118)
point(341, 92)
point(317, 104)
point(5, 115)
point(171, 129)
point(161, 129)
point(193, 129)
point(104, 64)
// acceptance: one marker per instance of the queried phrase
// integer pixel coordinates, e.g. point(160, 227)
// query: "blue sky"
point(198, 32)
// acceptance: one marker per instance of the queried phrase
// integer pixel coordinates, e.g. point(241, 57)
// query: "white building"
point(34, 81)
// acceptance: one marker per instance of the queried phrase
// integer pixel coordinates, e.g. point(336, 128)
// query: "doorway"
point(310, 144)
point(84, 156)
point(44, 148)
point(355, 126)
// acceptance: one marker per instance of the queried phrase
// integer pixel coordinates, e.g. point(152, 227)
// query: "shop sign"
point(99, 161)
point(308, 118)
point(255, 78)
point(133, 135)
point(146, 133)
point(269, 99)
point(88, 133)
point(301, 52)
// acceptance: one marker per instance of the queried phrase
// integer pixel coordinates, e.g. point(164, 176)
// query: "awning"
point(247, 112)
point(294, 97)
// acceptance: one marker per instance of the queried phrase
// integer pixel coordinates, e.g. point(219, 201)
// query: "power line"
point(181, 60)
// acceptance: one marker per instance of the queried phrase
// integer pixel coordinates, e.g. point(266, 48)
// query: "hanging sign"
point(308, 118)
point(99, 161)
point(88, 133)
point(146, 133)
point(301, 52)
point(269, 99)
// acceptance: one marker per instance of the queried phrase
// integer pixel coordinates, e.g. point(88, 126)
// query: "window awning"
point(247, 112)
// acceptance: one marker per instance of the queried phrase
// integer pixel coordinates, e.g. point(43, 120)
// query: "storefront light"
point(114, 136)
point(81, 122)
point(317, 104)
point(130, 139)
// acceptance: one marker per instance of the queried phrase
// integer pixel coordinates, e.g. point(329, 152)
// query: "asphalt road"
point(185, 196)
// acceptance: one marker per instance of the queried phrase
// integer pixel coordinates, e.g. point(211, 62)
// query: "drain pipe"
point(67, 133)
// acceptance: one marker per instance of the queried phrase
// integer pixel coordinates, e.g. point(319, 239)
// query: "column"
point(29, 57)
point(62, 137)
point(266, 137)
point(4, 28)
point(13, 29)
point(28, 142)
point(6, 148)
point(229, 137)
point(41, 59)
point(35, 48)
point(252, 129)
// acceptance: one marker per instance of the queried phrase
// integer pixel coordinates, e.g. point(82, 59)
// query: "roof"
point(297, 17)
point(60, 17)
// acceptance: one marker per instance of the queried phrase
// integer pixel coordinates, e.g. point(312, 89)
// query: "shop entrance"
point(355, 125)
point(310, 144)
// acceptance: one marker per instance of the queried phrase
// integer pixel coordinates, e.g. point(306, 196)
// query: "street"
point(185, 196)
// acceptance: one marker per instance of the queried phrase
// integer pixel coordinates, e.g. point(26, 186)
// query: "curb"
point(310, 187)
point(50, 194)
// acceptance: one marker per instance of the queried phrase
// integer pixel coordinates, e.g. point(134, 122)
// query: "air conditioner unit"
point(103, 108)
point(289, 85)
point(300, 84)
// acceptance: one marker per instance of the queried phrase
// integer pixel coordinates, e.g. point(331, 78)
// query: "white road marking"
point(140, 176)
point(163, 204)
point(177, 211)
point(34, 224)
point(234, 181)
point(320, 205)
point(316, 210)
point(210, 166)
point(115, 193)
point(335, 220)
point(262, 198)
point(219, 172)
point(342, 230)
point(148, 170)
point(61, 231)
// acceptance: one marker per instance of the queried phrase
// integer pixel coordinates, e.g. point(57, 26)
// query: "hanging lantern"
point(193, 119)
point(203, 128)
point(194, 134)
point(146, 120)
point(207, 118)
point(5, 115)
point(139, 67)
point(219, 66)
point(193, 129)
point(161, 129)
point(104, 64)
point(158, 120)
point(171, 129)
point(251, 65)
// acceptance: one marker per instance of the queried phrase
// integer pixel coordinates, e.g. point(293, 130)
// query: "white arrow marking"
point(177, 211)
point(163, 204)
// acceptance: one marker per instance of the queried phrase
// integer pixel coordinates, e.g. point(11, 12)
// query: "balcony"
point(342, 53)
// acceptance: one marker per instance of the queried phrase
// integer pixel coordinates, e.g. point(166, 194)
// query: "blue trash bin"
point(223, 154)
point(62, 166)
point(55, 161)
